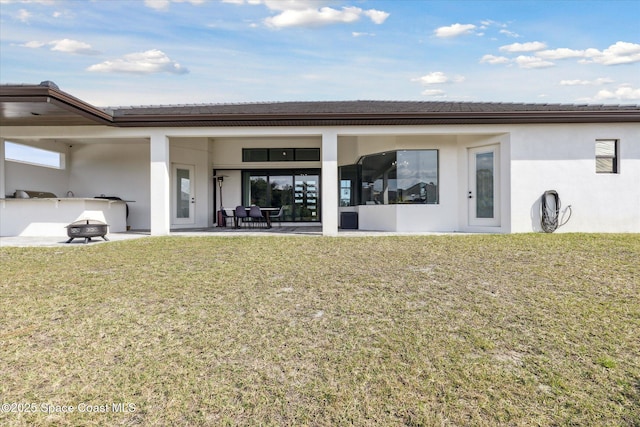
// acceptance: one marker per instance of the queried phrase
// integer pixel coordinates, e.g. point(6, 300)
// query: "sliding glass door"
point(297, 191)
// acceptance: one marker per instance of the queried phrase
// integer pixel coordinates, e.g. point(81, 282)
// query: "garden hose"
point(550, 212)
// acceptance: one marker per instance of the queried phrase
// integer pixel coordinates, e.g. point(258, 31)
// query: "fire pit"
point(87, 228)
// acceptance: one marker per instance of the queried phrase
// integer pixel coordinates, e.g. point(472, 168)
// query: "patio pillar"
point(330, 183)
point(2, 189)
point(160, 203)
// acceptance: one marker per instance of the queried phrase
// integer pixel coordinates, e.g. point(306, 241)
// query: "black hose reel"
point(550, 212)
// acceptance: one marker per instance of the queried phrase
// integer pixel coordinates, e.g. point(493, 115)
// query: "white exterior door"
point(183, 199)
point(484, 191)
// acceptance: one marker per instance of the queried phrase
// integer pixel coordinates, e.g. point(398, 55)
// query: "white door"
point(183, 190)
point(484, 186)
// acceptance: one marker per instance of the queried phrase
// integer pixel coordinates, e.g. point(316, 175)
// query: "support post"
point(330, 183)
point(2, 170)
point(160, 203)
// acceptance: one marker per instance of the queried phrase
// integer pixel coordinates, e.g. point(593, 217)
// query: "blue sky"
point(120, 52)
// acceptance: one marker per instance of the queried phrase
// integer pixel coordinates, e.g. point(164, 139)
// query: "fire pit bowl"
point(87, 228)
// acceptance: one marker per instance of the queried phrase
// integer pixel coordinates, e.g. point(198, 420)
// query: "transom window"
point(280, 154)
point(607, 156)
point(34, 156)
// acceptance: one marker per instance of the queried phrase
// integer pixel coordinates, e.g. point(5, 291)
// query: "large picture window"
point(391, 177)
point(297, 191)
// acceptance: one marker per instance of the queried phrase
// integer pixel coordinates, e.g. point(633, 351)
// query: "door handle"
point(193, 200)
point(470, 195)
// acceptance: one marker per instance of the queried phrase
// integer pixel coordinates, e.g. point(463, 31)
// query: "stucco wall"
point(113, 169)
point(562, 158)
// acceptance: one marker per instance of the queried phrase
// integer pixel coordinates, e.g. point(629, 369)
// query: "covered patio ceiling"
point(46, 105)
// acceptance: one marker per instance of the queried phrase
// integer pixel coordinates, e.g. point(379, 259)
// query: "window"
point(297, 191)
point(280, 154)
point(393, 177)
point(607, 156)
point(349, 182)
point(31, 155)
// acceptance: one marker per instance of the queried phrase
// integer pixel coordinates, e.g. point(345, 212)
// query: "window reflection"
point(406, 176)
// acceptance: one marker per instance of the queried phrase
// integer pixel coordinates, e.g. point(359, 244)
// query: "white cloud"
point(34, 44)
point(357, 34)
point(532, 62)
point(509, 33)
point(561, 53)
point(618, 53)
point(623, 93)
point(437, 77)
point(164, 4)
point(72, 46)
point(454, 30)
point(64, 45)
point(306, 13)
point(23, 15)
point(523, 47)
point(492, 59)
point(149, 62)
point(377, 16)
point(311, 17)
point(596, 82)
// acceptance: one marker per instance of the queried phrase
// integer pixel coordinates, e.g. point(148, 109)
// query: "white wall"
point(23, 176)
point(562, 158)
point(114, 169)
point(443, 217)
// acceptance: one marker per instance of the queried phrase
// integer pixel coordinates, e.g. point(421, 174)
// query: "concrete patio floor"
point(44, 241)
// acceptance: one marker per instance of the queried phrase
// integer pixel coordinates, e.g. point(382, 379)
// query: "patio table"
point(266, 211)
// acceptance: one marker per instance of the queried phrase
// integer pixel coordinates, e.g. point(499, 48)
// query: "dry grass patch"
point(447, 330)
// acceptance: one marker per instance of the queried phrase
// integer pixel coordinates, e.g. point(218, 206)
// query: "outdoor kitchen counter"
point(50, 216)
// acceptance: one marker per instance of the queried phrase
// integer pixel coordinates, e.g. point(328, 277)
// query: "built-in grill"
point(87, 228)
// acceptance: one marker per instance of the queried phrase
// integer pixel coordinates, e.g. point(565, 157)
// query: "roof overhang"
point(46, 105)
point(385, 119)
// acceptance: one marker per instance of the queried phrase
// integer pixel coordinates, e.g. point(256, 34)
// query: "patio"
point(23, 241)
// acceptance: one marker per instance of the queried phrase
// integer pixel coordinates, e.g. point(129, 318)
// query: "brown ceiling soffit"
point(57, 98)
point(624, 116)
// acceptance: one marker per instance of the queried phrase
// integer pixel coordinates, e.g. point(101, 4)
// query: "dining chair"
point(278, 216)
point(225, 217)
point(240, 215)
point(255, 213)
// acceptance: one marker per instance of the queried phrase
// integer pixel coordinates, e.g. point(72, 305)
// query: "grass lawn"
point(432, 330)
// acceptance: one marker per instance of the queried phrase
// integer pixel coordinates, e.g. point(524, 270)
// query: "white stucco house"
point(375, 165)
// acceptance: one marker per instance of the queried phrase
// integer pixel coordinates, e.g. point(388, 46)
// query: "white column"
point(160, 203)
point(330, 183)
point(2, 168)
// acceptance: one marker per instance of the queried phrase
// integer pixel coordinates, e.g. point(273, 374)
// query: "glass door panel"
point(259, 188)
point(183, 194)
point(307, 198)
point(484, 185)
point(484, 206)
point(282, 195)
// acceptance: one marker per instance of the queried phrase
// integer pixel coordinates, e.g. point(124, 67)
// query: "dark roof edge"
point(352, 119)
point(49, 92)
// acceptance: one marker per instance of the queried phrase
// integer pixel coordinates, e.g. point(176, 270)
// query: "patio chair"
point(278, 216)
point(225, 217)
point(255, 213)
point(240, 215)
